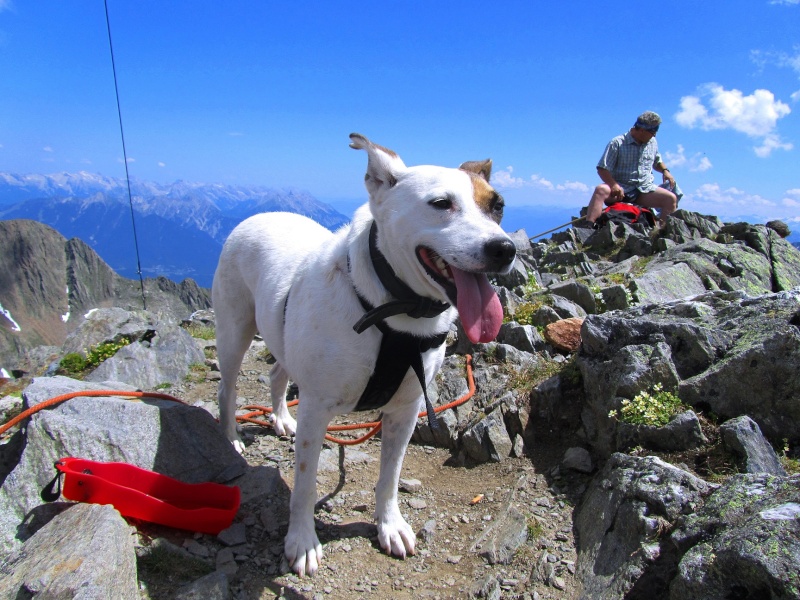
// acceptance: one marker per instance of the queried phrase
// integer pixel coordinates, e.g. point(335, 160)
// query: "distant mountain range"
point(180, 227)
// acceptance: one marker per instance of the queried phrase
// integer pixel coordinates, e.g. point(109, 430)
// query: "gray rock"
point(742, 436)
point(488, 440)
point(615, 297)
point(517, 276)
point(544, 315)
point(159, 435)
point(234, 535)
point(521, 337)
point(578, 459)
point(110, 325)
point(744, 542)
point(578, 293)
point(683, 432)
point(213, 586)
point(622, 374)
point(566, 308)
point(703, 349)
point(509, 530)
point(629, 503)
point(670, 282)
point(85, 552)
point(166, 358)
point(486, 588)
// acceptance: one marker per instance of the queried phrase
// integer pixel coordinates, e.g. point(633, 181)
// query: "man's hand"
point(617, 194)
point(668, 178)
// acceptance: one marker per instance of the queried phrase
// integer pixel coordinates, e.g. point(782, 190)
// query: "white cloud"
point(6, 5)
point(770, 143)
point(574, 186)
point(539, 181)
point(762, 58)
point(505, 179)
point(161, 164)
point(785, 2)
point(792, 199)
point(48, 149)
point(755, 115)
point(697, 163)
point(703, 165)
point(712, 192)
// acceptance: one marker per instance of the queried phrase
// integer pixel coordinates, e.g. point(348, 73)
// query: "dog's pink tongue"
point(478, 306)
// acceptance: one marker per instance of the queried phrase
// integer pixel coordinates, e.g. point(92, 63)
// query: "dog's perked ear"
point(383, 165)
point(482, 168)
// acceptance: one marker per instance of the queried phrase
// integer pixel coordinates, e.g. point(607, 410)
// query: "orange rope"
point(257, 411)
point(261, 411)
point(91, 393)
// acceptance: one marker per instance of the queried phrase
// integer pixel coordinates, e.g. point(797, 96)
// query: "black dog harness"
point(398, 350)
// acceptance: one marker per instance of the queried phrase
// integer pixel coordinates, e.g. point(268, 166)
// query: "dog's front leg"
point(394, 534)
point(302, 547)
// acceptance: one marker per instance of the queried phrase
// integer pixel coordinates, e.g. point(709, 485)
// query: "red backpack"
point(623, 212)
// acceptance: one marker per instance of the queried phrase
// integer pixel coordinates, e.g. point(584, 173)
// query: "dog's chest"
point(398, 353)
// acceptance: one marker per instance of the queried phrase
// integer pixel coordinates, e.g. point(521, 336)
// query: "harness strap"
point(397, 353)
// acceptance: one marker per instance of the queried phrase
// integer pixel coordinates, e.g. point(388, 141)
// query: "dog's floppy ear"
point(481, 168)
point(383, 165)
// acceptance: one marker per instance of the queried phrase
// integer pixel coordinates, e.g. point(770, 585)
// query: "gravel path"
point(450, 506)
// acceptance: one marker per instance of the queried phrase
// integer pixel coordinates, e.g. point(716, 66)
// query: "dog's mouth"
point(471, 293)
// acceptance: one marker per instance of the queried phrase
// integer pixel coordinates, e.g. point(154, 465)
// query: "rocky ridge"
point(534, 488)
point(48, 283)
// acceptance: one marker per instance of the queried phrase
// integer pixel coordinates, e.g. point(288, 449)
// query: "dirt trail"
point(438, 501)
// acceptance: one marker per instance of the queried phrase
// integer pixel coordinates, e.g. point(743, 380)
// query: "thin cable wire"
point(125, 158)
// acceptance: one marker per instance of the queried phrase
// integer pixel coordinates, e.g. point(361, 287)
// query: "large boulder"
point(702, 349)
point(627, 508)
point(743, 543)
point(168, 437)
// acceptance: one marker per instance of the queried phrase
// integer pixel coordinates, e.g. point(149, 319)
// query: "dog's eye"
point(441, 203)
point(498, 206)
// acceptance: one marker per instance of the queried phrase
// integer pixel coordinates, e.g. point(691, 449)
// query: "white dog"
point(425, 241)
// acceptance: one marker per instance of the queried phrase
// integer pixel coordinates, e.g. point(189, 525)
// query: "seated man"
point(626, 169)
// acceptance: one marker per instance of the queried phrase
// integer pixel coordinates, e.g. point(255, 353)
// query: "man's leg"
point(665, 201)
point(597, 203)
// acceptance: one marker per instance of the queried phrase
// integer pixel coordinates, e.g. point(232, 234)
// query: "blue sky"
point(266, 93)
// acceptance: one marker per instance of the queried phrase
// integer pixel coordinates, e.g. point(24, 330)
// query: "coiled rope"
point(255, 417)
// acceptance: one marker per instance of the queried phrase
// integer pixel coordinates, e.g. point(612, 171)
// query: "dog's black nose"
point(500, 252)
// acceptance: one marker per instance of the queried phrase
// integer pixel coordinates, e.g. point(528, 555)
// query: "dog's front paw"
point(396, 537)
point(238, 445)
point(303, 551)
point(285, 425)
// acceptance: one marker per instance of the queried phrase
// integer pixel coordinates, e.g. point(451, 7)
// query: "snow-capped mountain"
point(180, 226)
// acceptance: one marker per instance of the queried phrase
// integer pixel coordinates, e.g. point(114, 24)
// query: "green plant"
point(524, 313)
point(75, 363)
point(197, 373)
point(535, 529)
point(600, 303)
point(201, 331)
point(532, 286)
point(164, 386)
point(527, 378)
point(102, 352)
point(616, 278)
point(790, 465)
point(654, 408)
point(72, 364)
